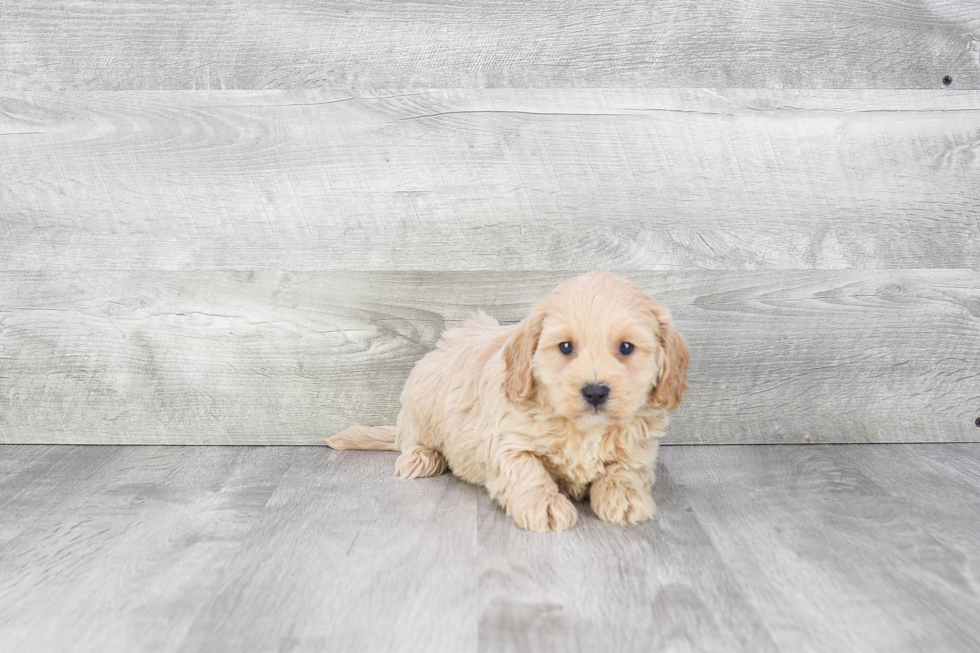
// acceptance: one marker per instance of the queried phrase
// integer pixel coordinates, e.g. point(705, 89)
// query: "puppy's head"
point(597, 349)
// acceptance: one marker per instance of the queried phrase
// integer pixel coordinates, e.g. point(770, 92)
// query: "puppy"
point(568, 403)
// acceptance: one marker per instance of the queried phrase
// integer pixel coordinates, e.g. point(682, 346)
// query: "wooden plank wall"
point(237, 223)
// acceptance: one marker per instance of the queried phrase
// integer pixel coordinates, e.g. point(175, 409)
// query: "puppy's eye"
point(565, 348)
point(626, 348)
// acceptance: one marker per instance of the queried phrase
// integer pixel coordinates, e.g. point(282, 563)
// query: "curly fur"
point(503, 408)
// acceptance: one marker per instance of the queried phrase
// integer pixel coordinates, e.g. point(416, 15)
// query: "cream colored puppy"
point(568, 403)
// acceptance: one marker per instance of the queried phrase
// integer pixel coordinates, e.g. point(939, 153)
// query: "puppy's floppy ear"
point(518, 355)
point(672, 384)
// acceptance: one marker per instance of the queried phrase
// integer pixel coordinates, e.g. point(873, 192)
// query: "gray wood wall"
point(243, 223)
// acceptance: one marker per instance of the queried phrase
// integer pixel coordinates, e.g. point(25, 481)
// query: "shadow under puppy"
point(568, 403)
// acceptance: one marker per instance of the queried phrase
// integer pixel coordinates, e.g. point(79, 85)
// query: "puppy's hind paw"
point(420, 462)
point(551, 511)
point(622, 504)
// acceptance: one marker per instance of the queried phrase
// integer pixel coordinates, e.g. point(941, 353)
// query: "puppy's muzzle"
point(596, 394)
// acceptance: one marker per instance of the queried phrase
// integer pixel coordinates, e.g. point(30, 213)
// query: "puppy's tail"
point(369, 438)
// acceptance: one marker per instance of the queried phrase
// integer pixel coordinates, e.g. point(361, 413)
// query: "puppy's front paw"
point(622, 504)
point(551, 511)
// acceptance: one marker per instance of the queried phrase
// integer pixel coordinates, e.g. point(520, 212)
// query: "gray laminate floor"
point(756, 548)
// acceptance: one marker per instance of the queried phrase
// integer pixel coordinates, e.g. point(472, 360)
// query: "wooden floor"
point(756, 548)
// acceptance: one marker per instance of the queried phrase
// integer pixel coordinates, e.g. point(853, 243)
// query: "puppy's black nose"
point(595, 393)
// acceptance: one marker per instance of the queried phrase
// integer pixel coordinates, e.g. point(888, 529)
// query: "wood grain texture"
point(133, 540)
point(490, 180)
point(225, 357)
point(794, 548)
point(850, 541)
point(938, 473)
point(655, 587)
point(178, 548)
point(383, 565)
point(233, 44)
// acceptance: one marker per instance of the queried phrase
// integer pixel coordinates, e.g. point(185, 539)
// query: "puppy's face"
point(599, 349)
point(596, 365)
